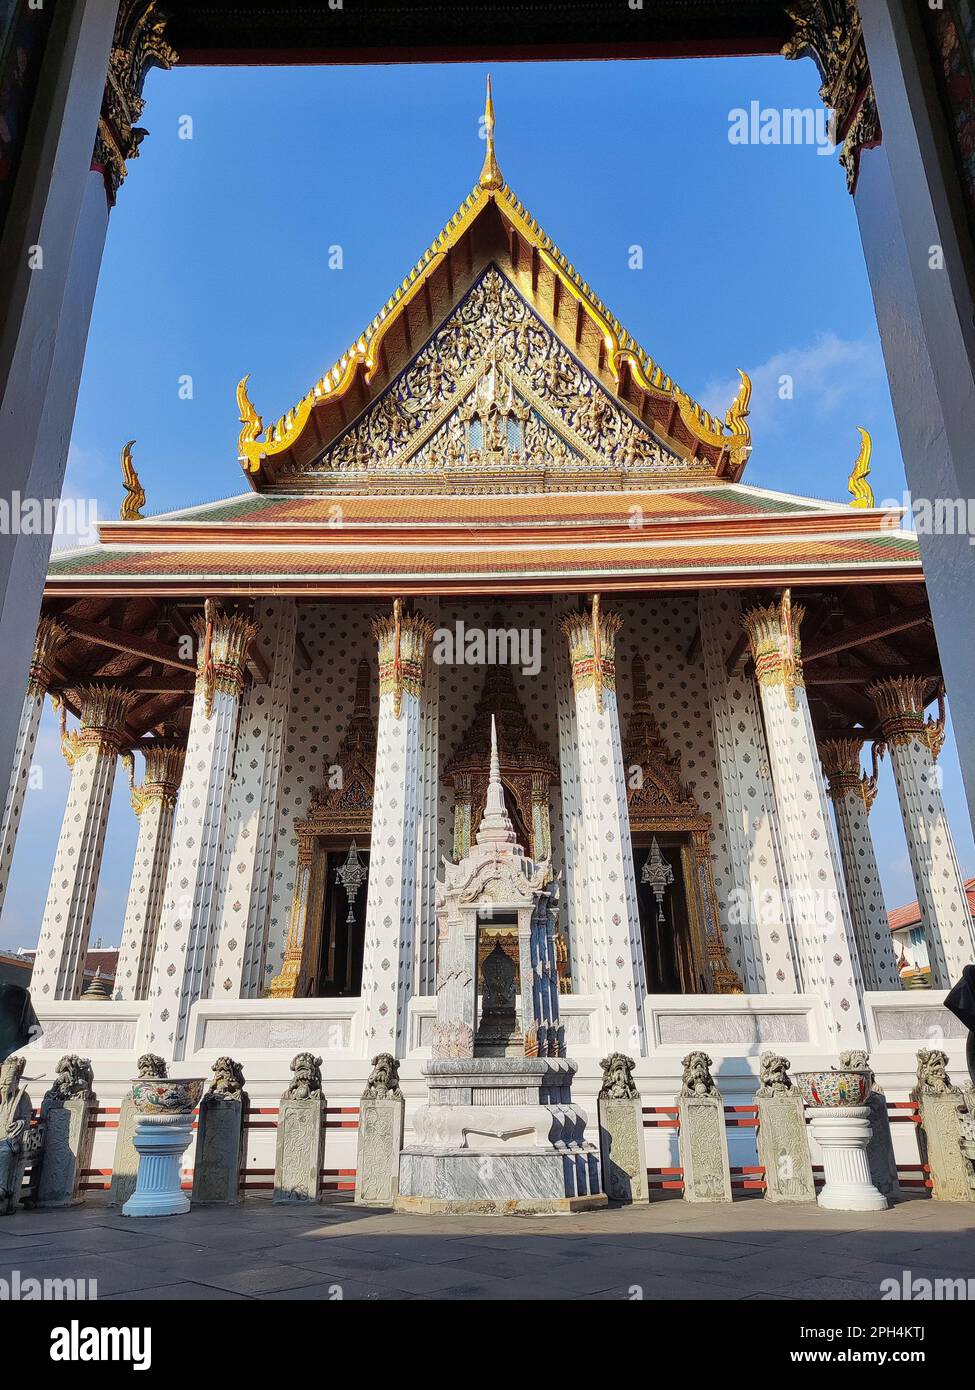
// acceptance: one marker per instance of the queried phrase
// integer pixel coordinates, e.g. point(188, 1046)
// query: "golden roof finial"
point(135, 492)
point(858, 485)
point(490, 173)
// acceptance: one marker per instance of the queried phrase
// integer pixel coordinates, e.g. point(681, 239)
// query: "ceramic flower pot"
point(174, 1095)
point(832, 1088)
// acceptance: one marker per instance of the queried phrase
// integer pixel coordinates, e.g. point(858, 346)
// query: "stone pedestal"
point(67, 1151)
point(704, 1149)
point(300, 1148)
point(380, 1141)
point(843, 1134)
point(623, 1150)
point(160, 1141)
point(783, 1148)
point(940, 1140)
point(499, 1136)
point(125, 1164)
point(219, 1149)
point(880, 1150)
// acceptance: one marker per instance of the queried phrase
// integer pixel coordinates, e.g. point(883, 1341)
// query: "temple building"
point(495, 507)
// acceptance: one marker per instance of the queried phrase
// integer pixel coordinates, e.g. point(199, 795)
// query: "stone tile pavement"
point(664, 1250)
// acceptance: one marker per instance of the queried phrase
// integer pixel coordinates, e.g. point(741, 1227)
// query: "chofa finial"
point(135, 493)
point(490, 173)
point(858, 485)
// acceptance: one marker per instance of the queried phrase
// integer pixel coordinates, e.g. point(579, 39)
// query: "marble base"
point(459, 1177)
point(160, 1141)
point(843, 1133)
point(125, 1164)
point(880, 1150)
point(434, 1206)
point(377, 1157)
point(67, 1151)
point(783, 1149)
point(703, 1143)
point(219, 1150)
point(623, 1149)
point(300, 1149)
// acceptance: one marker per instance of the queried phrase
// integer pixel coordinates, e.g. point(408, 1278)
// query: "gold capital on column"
point(50, 635)
point(592, 649)
point(224, 642)
point(773, 637)
point(403, 640)
point(164, 771)
point(103, 714)
point(841, 764)
point(900, 704)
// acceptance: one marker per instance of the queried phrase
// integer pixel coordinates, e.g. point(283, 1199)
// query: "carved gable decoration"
point(660, 791)
point(347, 806)
point(495, 401)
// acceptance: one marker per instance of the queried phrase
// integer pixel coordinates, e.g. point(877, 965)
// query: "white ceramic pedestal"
point(160, 1141)
point(843, 1133)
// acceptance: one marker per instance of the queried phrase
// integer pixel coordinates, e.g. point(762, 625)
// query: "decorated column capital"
point(829, 32)
point(139, 44)
point(403, 640)
point(221, 658)
point(164, 759)
point(900, 704)
point(103, 714)
point(776, 648)
point(592, 649)
point(841, 764)
point(50, 635)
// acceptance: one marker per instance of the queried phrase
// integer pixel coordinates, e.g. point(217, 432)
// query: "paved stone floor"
point(664, 1250)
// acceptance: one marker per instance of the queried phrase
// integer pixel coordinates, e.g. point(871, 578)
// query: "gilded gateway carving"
point(342, 808)
point(494, 397)
point(660, 802)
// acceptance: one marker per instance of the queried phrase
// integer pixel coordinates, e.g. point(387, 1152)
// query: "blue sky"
point(217, 263)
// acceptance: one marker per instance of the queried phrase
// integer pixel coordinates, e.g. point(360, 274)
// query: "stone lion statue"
point(697, 1079)
point(149, 1065)
point(932, 1074)
point(73, 1077)
point(618, 1083)
point(228, 1079)
point(307, 1076)
point(858, 1060)
point(383, 1083)
point(773, 1075)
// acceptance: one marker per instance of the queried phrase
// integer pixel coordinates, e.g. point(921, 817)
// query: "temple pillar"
point(613, 937)
point(759, 915)
point(185, 945)
point(154, 804)
point(425, 965)
point(92, 755)
point(827, 963)
point(387, 967)
point(573, 838)
point(248, 877)
point(50, 635)
point(945, 914)
point(853, 793)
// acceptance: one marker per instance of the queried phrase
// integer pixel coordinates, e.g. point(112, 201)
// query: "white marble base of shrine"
point(500, 1134)
point(843, 1134)
point(160, 1141)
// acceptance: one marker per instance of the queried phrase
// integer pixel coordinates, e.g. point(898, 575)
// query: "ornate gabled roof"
point(492, 225)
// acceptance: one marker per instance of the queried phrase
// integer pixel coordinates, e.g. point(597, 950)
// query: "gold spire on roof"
point(490, 173)
point(135, 493)
point(858, 485)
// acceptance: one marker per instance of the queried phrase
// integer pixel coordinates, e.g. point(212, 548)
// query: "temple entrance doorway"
point(662, 864)
point(498, 987)
point(343, 921)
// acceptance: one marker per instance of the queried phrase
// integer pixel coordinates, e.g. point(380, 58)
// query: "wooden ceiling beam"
point(870, 631)
point(130, 642)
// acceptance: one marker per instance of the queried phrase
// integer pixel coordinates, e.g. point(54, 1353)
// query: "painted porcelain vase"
point(832, 1088)
point(175, 1095)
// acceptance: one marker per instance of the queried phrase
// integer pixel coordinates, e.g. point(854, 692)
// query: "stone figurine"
point(220, 1145)
point(300, 1149)
point(18, 1141)
point(703, 1138)
point(67, 1135)
point(941, 1136)
point(306, 1077)
point(618, 1083)
point(382, 1113)
point(621, 1136)
point(783, 1145)
point(383, 1083)
point(150, 1066)
point(697, 1079)
point(773, 1075)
